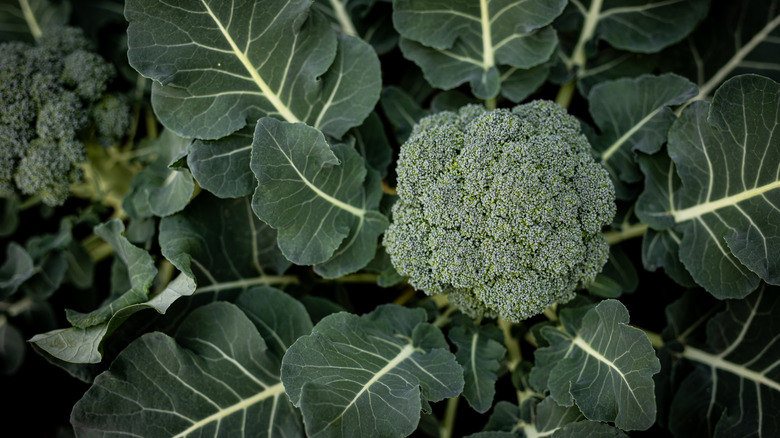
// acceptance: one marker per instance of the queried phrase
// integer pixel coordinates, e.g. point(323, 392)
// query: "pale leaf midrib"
point(359, 212)
point(488, 57)
point(269, 94)
point(624, 138)
point(584, 346)
point(402, 355)
point(709, 207)
point(718, 363)
point(271, 391)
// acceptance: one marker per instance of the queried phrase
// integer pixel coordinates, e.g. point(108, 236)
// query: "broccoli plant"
point(347, 218)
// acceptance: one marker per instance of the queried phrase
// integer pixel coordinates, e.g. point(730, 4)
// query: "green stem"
point(14, 309)
point(630, 232)
point(30, 202)
point(491, 103)
point(247, 283)
point(444, 318)
point(448, 424)
point(512, 345)
point(29, 17)
point(566, 93)
point(655, 339)
point(364, 277)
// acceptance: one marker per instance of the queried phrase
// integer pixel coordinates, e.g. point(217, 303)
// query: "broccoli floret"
point(111, 117)
point(501, 210)
point(47, 90)
point(87, 73)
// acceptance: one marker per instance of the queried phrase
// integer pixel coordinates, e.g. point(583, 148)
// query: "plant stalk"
point(448, 424)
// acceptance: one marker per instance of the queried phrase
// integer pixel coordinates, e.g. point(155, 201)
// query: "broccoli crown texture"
point(47, 91)
point(501, 210)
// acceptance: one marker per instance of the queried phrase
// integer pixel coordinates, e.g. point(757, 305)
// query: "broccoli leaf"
point(219, 66)
point(635, 26)
point(633, 115)
point(12, 348)
point(401, 110)
point(217, 376)
point(221, 245)
point(479, 351)
point(729, 383)
point(359, 375)
point(220, 167)
point(140, 271)
point(464, 41)
point(26, 20)
point(728, 161)
point(314, 195)
point(596, 348)
point(158, 189)
point(17, 269)
point(371, 142)
point(735, 38)
point(85, 344)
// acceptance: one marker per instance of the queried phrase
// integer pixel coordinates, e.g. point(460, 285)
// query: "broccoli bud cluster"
point(49, 91)
point(502, 210)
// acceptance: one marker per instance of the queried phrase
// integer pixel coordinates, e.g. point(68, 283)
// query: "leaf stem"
point(445, 317)
point(626, 233)
point(565, 93)
point(247, 283)
point(655, 339)
point(342, 16)
point(364, 277)
point(512, 345)
point(15, 309)
point(491, 103)
point(578, 57)
point(29, 17)
point(448, 424)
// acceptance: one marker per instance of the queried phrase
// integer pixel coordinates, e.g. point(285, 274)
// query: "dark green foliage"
point(502, 210)
point(47, 90)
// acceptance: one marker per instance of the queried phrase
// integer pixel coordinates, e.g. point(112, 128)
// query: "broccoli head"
point(501, 210)
point(48, 90)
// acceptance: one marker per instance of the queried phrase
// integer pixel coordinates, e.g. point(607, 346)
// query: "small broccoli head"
point(111, 118)
point(501, 210)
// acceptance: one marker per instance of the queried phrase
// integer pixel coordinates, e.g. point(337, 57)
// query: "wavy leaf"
point(727, 208)
point(729, 382)
point(479, 351)
point(222, 246)
point(219, 66)
point(596, 348)
point(314, 195)
point(464, 41)
point(632, 115)
point(216, 377)
point(369, 375)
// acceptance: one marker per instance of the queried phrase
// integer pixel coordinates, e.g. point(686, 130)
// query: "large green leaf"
point(216, 377)
point(735, 38)
point(730, 381)
point(222, 245)
point(369, 19)
point(479, 351)
point(467, 41)
point(632, 115)
point(219, 66)
point(644, 26)
point(85, 344)
point(369, 375)
point(319, 198)
point(727, 156)
point(596, 360)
